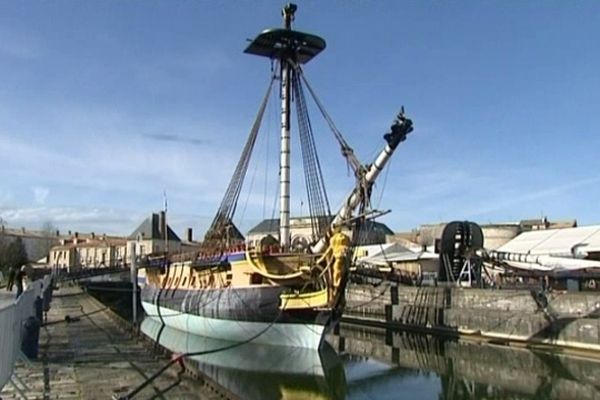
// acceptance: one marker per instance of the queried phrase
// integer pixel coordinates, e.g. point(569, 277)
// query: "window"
point(184, 281)
point(193, 281)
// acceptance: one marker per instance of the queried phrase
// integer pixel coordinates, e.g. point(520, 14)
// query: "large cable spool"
point(459, 240)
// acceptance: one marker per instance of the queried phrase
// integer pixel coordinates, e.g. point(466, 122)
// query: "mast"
point(289, 47)
point(284, 155)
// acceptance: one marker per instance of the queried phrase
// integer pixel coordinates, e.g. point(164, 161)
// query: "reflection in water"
point(378, 364)
point(254, 371)
point(385, 364)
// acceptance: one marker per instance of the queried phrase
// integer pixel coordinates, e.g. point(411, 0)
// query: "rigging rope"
point(385, 178)
point(270, 117)
point(347, 151)
point(226, 211)
point(318, 203)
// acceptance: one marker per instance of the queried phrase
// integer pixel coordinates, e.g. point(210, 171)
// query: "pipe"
point(546, 261)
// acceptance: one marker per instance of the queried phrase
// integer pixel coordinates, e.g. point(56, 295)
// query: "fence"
point(12, 317)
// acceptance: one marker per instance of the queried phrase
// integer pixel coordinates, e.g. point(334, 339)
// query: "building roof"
point(66, 246)
point(225, 228)
point(272, 226)
point(149, 230)
point(265, 226)
point(89, 243)
point(567, 242)
point(380, 227)
point(28, 233)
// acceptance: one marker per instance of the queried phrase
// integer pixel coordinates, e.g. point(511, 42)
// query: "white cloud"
point(40, 194)
point(105, 151)
point(5, 196)
point(109, 220)
point(102, 156)
point(106, 220)
point(509, 199)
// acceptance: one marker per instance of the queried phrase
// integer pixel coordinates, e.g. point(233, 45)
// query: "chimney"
point(69, 233)
point(93, 235)
point(155, 224)
point(189, 235)
point(57, 233)
point(161, 224)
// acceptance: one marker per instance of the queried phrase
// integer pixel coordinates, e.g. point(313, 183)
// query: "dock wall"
point(558, 319)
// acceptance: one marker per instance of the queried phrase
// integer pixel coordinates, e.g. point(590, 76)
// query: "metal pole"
point(284, 161)
point(133, 271)
point(165, 228)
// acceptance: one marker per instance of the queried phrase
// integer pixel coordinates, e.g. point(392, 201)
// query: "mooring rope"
point(179, 358)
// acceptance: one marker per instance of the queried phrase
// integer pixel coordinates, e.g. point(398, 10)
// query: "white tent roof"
point(556, 242)
point(375, 249)
point(394, 252)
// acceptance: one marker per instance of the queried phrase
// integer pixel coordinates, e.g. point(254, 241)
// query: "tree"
point(3, 248)
point(15, 254)
point(48, 241)
point(3, 245)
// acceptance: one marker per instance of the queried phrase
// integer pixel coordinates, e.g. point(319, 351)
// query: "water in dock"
point(91, 358)
point(361, 362)
point(368, 363)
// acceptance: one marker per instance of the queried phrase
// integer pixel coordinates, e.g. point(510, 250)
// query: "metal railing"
point(12, 316)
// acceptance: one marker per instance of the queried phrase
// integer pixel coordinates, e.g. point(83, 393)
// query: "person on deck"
point(19, 280)
point(11, 279)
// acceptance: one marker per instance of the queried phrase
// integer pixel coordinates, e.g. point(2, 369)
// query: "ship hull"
point(237, 314)
point(278, 334)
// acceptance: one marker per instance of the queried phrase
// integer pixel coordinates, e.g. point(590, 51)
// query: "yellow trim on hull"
point(304, 300)
point(261, 269)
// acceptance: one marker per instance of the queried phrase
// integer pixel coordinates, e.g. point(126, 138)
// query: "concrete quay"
point(91, 357)
point(557, 319)
point(6, 297)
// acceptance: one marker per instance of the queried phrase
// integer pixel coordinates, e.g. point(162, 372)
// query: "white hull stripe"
point(288, 334)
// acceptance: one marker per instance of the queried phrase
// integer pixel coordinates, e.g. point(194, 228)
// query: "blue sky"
point(106, 104)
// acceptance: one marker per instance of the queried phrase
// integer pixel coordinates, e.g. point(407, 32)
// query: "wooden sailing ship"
point(275, 291)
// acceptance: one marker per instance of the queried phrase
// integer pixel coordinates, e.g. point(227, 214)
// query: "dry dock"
point(91, 357)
